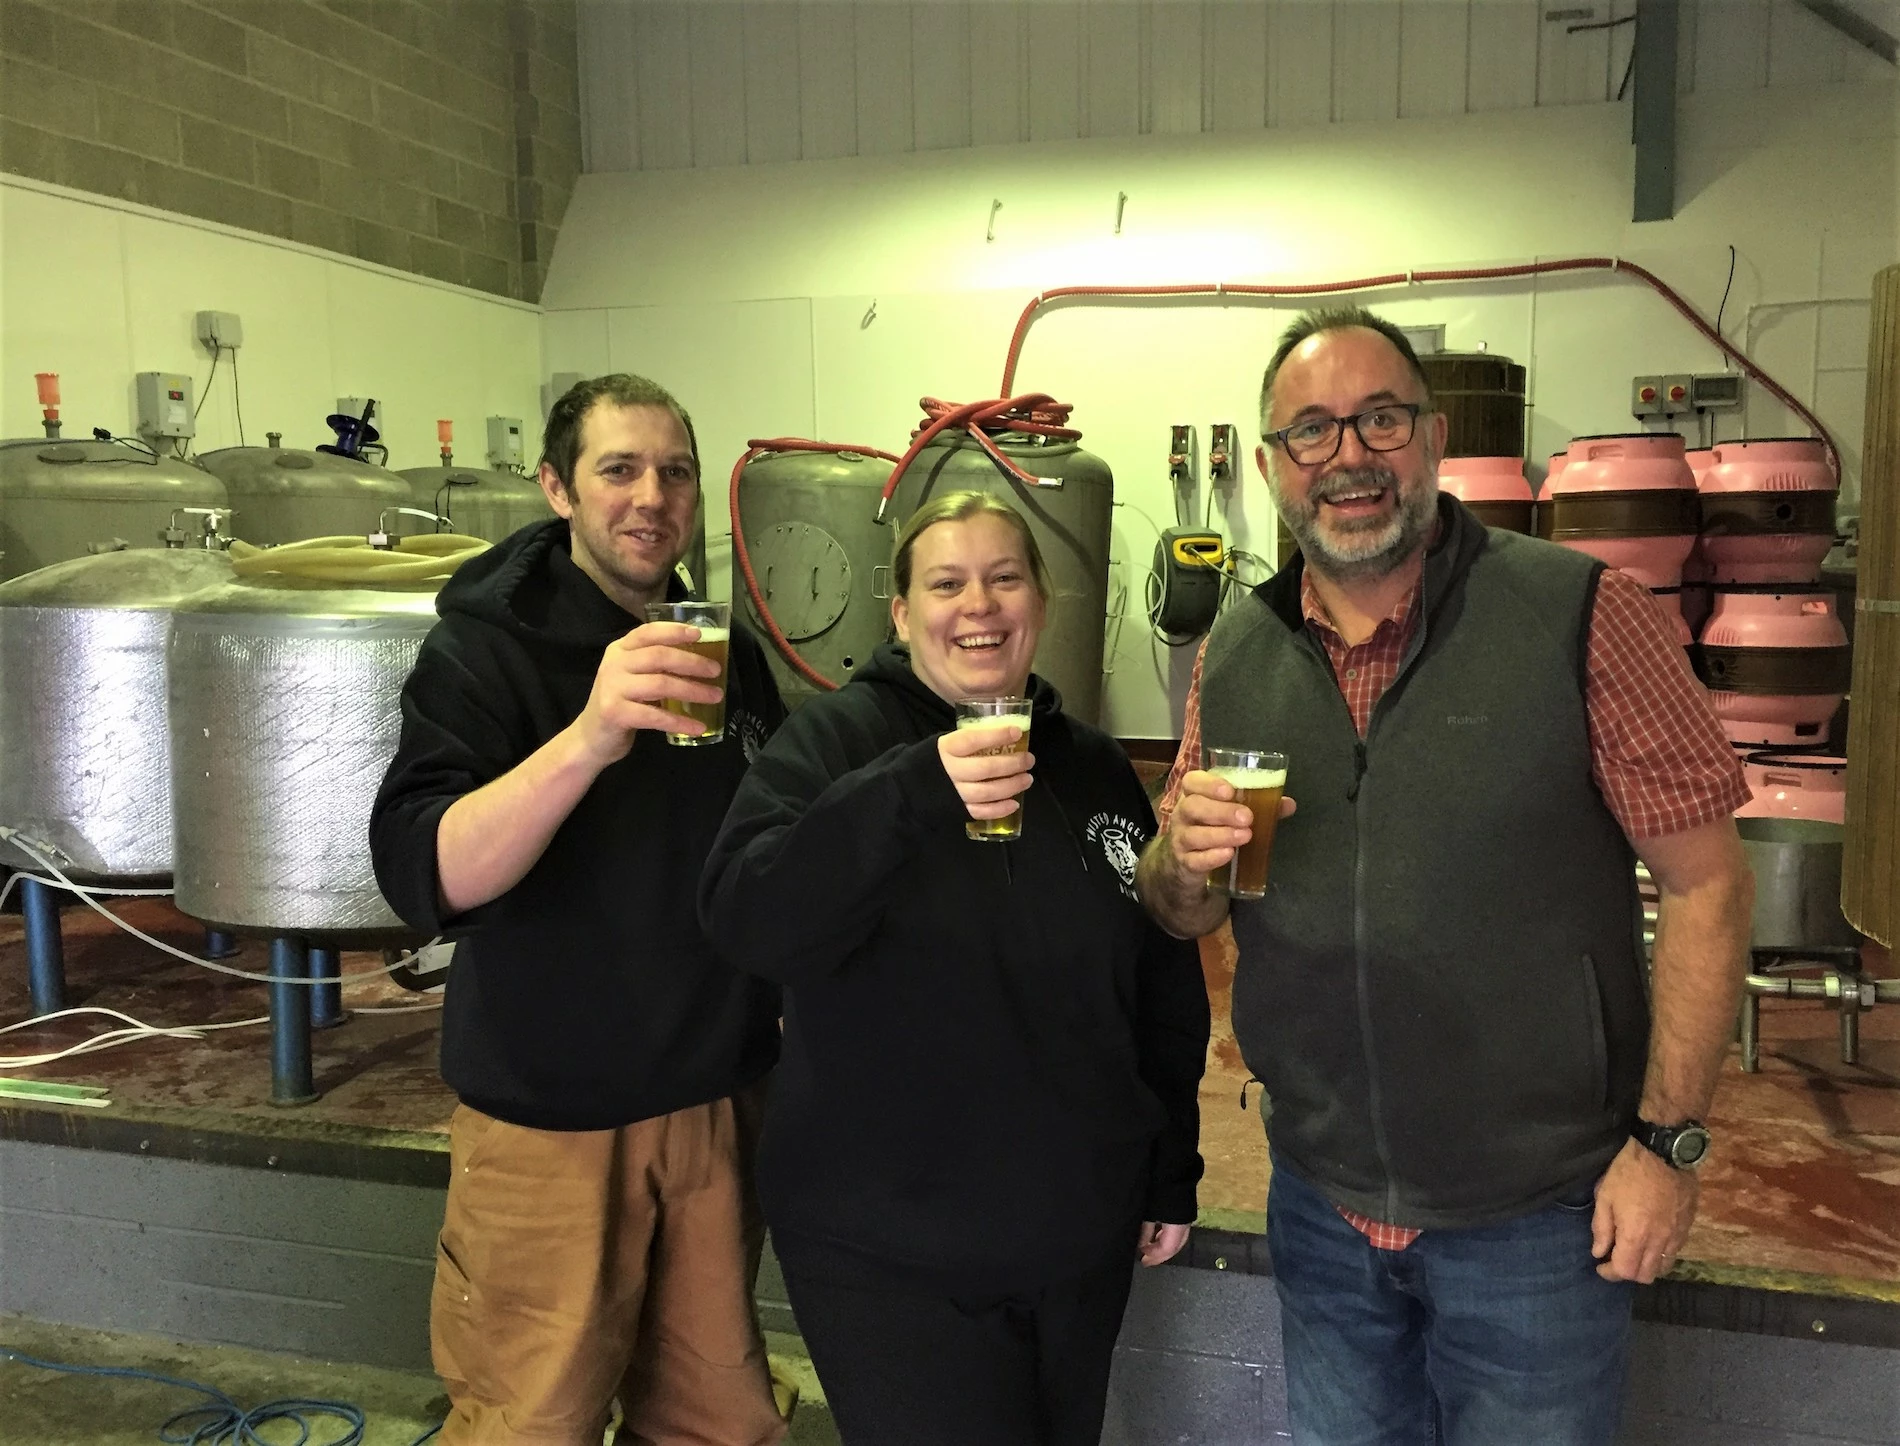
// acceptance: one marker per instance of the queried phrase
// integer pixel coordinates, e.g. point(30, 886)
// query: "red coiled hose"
point(1034, 412)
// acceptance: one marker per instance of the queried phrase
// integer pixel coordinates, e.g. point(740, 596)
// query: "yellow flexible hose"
point(349, 560)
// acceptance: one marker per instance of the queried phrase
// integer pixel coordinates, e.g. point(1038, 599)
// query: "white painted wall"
point(98, 290)
point(674, 83)
point(747, 289)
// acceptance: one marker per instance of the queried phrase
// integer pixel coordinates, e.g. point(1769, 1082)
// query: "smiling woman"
point(972, 596)
point(992, 1056)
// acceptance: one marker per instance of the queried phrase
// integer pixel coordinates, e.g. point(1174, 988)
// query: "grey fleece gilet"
point(1443, 989)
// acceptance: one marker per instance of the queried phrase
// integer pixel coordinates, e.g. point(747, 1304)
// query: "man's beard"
point(1362, 550)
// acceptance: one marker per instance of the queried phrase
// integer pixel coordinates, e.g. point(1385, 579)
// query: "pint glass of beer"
point(1258, 779)
point(993, 713)
point(714, 623)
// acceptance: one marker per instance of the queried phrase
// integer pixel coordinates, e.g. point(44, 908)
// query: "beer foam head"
point(996, 720)
point(713, 635)
point(1252, 778)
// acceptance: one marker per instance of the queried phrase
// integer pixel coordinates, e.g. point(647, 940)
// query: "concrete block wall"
point(440, 137)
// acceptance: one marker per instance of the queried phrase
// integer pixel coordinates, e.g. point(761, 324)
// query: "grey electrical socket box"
point(164, 401)
point(1661, 396)
point(504, 441)
point(220, 330)
point(1426, 340)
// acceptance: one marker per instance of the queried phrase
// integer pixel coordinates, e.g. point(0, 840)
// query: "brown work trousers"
point(579, 1267)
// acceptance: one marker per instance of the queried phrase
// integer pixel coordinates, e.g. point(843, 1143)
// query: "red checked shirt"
point(1657, 754)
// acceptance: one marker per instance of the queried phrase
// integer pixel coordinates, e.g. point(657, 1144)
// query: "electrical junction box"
point(1188, 571)
point(220, 331)
point(1716, 392)
point(504, 442)
point(164, 403)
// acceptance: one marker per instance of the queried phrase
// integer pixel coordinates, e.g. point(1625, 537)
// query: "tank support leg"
point(45, 951)
point(326, 1000)
point(291, 1082)
point(1751, 1031)
point(219, 944)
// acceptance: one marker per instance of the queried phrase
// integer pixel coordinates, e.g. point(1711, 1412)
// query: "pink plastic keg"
point(1493, 488)
point(1700, 459)
point(1551, 471)
point(1776, 664)
point(1796, 785)
point(1767, 510)
point(1628, 499)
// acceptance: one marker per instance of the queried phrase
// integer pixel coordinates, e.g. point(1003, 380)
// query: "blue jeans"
point(1500, 1335)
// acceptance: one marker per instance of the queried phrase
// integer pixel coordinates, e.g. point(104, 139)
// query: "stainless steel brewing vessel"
point(284, 714)
point(285, 494)
point(476, 501)
point(63, 499)
point(820, 558)
point(85, 751)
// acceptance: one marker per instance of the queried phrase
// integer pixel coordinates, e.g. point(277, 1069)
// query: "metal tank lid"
point(244, 461)
point(485, 477)
point(95, 464)
point(274, 596)
point(1028, 443)
point(136, 579)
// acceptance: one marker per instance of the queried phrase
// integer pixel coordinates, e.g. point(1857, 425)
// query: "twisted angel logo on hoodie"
point(1121, 840)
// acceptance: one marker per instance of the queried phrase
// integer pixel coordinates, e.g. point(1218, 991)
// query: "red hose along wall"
point(1221, 290)
point(1038, 413)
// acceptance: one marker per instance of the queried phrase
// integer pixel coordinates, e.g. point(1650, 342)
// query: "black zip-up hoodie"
point(991, 1056)
point(585, 997)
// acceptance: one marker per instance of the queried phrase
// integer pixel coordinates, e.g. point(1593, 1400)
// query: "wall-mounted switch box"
point(220, 330)
point(1660, 396)
point(164, 403)
point(504, 442)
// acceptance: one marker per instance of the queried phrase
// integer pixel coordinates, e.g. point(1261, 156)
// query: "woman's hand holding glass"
point(988, 782)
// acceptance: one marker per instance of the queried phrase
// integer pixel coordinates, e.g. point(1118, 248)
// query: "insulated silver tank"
point(64, 499)
point(1071, 519)
point(285, 494)
point(476, 501)
point(284, 714)
point(85, 753)
point(820, 558)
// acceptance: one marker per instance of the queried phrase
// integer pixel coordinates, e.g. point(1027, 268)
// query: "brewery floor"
point(1801, 1194)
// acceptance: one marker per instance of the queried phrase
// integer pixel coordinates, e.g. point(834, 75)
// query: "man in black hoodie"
point(600, 1236)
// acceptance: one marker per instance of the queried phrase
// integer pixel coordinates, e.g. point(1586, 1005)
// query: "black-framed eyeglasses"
point(1384, 428)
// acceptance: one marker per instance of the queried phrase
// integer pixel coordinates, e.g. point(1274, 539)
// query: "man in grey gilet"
point(1483, 1127)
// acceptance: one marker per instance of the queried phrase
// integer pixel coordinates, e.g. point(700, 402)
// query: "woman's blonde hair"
point(959, 507)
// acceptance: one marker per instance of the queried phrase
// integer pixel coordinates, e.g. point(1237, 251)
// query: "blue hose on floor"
point(220, 1421)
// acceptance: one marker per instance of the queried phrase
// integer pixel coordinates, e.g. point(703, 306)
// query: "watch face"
point(1688, 1148)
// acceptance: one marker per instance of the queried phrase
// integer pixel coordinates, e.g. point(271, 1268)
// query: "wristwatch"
point(1682, 1147)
